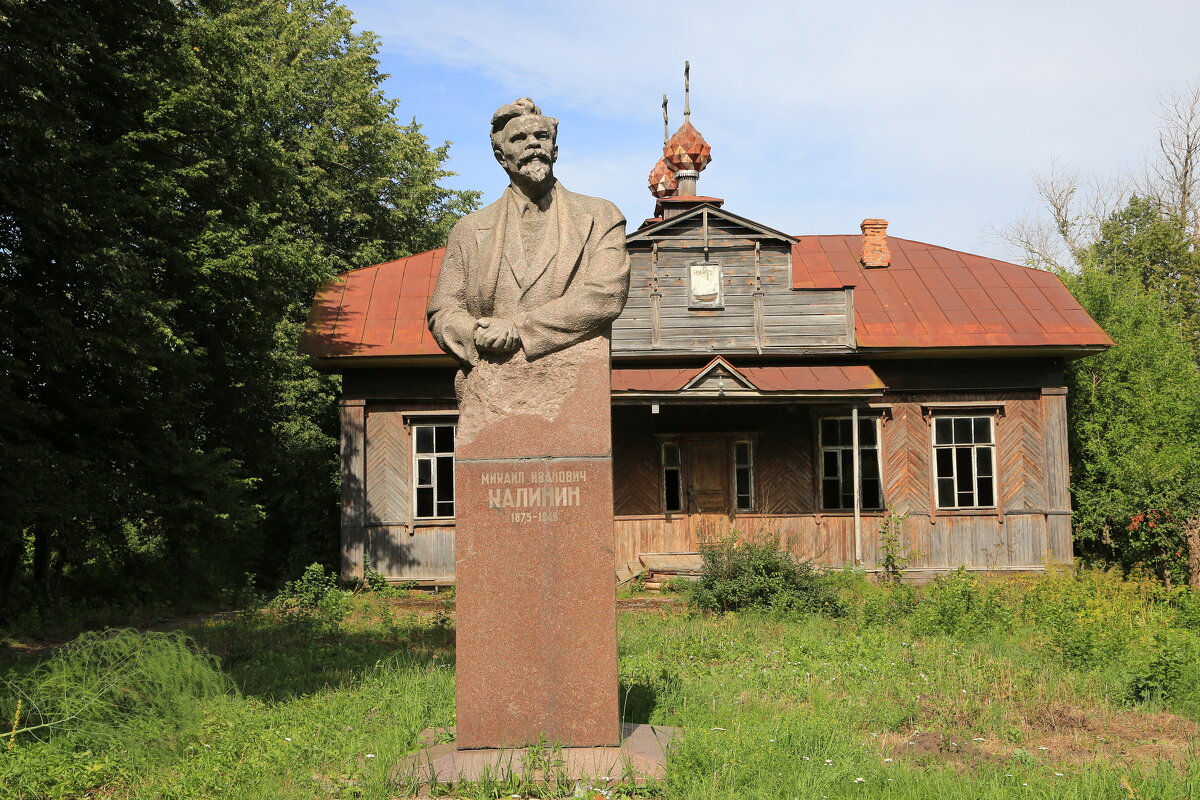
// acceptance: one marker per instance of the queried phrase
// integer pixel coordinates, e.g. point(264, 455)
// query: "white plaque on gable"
point(705, 287)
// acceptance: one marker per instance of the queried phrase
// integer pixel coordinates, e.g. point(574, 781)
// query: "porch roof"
point(789, 379)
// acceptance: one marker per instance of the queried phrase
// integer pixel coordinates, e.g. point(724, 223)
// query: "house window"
point(837, 463)
point(964, 455)
point(433, 462)
point(743, 477)
point(672, 479)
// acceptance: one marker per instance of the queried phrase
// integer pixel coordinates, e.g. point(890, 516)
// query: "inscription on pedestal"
point(534, 503)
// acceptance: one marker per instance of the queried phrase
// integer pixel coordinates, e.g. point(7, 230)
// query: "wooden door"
point(710, 511)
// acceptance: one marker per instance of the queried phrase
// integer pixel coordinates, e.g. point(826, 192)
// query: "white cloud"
point(935, 114)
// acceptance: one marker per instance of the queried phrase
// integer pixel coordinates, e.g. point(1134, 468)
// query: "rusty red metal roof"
point(652, 379)
point(787, 378)
point(810, 379)
point(375, 311)
point(929, 297)
point(935, 297)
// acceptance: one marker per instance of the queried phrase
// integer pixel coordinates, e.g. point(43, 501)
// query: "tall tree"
point(1134, 411)
point(1128, 248)
point(176, 178)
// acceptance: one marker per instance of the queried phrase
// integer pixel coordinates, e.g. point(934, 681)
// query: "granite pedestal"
point(641, 757)
point(535, 606)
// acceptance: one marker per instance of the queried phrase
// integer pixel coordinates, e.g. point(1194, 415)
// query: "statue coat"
point(571, 293)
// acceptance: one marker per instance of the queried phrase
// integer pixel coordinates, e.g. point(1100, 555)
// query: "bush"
point(887, 603)
point(375, 581)
point(314, 597)
point(1096, 617)
point(959, 604)
point(1173, 675)
point(677, 585)
point(1187, 610)
point(737, 576)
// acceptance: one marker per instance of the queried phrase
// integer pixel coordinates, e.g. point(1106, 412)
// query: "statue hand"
point(496, 335)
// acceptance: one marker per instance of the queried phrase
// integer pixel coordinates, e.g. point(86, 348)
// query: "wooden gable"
point(709, 281)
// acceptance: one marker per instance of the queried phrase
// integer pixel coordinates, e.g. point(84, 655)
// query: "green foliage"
point(1095, 618)
point(314, 597)
point(959, 604)
point(888, 603)
point(744, 575)
point(1173, 674)
point(102, 683)
point(176, 179)
point(677, 585)
point(375, 581)
point(774, 706)
point(1134, 411)
point(1187, 614)
point(894, 558)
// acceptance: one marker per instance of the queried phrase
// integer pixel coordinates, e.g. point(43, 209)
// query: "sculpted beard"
point(536, 167)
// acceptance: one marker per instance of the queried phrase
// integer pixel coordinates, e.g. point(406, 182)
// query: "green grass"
point(1018, 689)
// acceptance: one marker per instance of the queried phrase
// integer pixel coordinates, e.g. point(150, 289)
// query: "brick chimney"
point(875, 252)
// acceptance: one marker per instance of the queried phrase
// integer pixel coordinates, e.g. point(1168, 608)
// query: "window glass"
point(836, 436)
point(964, 461)
point(433, 470)
point(672, 479)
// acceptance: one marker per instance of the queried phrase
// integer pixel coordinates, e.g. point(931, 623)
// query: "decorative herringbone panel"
point(906, 448)
point(785, 471)
point(388, 465)
point(1021, 454)
point(636, 481)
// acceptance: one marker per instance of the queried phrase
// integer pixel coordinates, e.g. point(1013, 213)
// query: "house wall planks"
point(761, 311)
point(353, 469)
point(1031, 524)
point(407, 553)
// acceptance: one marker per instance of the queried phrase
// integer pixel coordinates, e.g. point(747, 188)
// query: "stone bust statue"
point(537, 271)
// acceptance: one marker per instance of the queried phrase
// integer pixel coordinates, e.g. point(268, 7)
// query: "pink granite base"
point(641, 757)
point(535, 604)
point(536, 631)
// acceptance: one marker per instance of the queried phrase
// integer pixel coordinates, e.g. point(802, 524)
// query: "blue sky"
point(933, 115)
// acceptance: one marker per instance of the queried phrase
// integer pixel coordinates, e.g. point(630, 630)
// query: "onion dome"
point(687, 150)
point(662, 180)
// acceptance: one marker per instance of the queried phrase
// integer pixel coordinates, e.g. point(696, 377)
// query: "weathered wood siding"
point(403, 552)
point(376, 473)
point(1030, 524)
point(1058, 471)
point(388, 464)
point(946, 543)
point(761, 313)
point(353, 468)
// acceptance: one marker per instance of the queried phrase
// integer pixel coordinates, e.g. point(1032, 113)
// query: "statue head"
point(523, 141)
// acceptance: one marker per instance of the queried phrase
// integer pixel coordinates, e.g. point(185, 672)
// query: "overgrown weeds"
point(961, 688)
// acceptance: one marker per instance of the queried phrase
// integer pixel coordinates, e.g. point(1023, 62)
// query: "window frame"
point(662, 471)
point(433, 457)
point(993, 445)
point(730, 439)
point(819, 471)
point(752, 505)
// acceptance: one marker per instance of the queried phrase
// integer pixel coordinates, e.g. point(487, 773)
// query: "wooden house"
point(755, 374)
